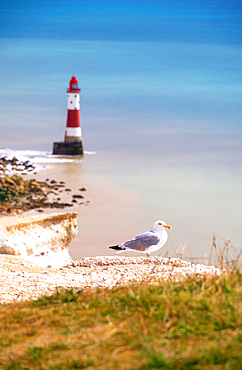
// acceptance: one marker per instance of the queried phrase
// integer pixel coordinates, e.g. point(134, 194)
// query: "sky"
point(166, 21)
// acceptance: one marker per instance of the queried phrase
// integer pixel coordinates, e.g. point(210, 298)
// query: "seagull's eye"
point(160, 223)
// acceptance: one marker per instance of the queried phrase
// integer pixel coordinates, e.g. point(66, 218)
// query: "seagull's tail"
point(116, 247)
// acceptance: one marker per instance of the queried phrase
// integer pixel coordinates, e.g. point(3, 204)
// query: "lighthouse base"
point(62, 148)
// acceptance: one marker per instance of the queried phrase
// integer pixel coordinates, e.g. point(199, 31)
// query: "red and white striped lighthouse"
point(73, 129)
point(73, 135)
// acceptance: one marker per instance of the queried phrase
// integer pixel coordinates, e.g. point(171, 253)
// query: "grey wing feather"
point(142, 242)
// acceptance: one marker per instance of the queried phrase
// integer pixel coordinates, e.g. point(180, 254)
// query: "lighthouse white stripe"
point(73, 102)
point(73, 131)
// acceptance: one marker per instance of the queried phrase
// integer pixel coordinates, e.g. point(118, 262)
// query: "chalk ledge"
point(42, 239)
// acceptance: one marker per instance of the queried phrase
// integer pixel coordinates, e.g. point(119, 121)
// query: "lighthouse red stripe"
point(73, 118)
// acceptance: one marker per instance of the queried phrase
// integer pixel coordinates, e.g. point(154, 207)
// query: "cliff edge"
point(42, 239)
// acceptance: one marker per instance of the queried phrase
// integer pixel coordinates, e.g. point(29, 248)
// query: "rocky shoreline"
point(18, 194)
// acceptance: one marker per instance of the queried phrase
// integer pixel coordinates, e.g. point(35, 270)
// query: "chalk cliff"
point(42, 239)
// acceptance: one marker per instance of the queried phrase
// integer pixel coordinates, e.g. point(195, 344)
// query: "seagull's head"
point(161, 225)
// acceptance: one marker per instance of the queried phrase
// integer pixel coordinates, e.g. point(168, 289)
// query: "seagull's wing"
point(142, 242)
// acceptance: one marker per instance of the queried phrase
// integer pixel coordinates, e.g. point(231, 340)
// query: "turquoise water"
point(160, 108)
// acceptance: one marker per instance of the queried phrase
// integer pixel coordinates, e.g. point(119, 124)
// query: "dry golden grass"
point(226, 257)
point(193, 324)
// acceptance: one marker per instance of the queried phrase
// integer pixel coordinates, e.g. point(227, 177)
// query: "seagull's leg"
point(147, 255)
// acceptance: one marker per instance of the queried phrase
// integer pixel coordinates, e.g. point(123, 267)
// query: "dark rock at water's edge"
point(15, 165)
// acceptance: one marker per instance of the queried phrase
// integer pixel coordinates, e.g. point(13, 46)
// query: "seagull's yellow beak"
point(168, 227)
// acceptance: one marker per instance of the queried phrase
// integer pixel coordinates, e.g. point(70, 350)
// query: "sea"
point(161, 114)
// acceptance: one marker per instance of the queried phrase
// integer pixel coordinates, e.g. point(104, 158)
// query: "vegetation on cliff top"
point(191, 324)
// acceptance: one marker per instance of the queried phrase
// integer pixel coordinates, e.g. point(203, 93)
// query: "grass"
point(191, 324)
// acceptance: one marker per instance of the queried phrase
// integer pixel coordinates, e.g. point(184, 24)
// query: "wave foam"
point(39, 156)
point(39, 159)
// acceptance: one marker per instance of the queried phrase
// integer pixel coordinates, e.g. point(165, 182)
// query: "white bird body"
point(147, 242)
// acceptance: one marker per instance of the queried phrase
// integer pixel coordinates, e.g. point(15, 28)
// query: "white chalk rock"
point(42, 239)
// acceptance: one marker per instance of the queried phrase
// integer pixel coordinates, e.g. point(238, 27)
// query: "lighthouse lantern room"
point(72, 144)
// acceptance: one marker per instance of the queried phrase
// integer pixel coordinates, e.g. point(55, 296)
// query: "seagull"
point(147, 242)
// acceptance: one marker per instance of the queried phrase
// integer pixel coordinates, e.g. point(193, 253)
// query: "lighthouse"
point(72, 144)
